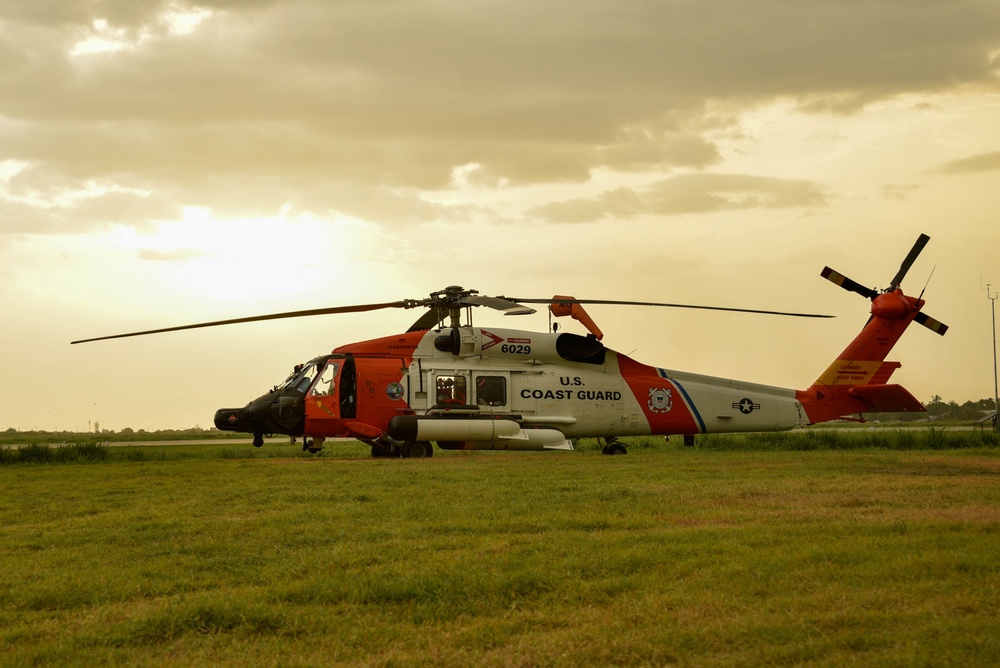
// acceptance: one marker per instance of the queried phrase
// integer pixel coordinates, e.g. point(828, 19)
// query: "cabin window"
point(491, 391)
point(452, 390)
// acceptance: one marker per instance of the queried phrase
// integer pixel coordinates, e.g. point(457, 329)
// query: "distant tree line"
point(11, 434)
point(938, 409)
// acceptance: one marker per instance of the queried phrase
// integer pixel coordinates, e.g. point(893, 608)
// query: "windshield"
point(300, 379)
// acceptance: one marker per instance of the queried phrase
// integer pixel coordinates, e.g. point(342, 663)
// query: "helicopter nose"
point(273, 413)
point(233, 419)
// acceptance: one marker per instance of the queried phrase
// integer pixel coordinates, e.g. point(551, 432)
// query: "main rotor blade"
point(837, 278)
point(908, 261)
point(272, 316)
point(428, 320)
point(498, 303)
point(692, 306)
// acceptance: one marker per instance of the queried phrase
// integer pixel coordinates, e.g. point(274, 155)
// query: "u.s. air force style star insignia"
point(746, 406)
point(660, 400)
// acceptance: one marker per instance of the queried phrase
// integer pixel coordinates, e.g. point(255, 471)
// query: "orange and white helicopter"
point(475, 388)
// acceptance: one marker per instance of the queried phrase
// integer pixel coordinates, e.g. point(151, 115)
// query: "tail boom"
point(856, 382)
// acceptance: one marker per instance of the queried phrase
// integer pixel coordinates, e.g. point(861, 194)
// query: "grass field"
point(669, 555)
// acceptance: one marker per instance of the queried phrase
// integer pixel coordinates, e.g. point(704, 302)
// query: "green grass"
point(668, 555)
point(853, 439)
point(85, 450)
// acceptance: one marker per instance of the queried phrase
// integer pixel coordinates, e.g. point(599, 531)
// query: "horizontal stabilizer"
point(881, 376)
point(886, 399)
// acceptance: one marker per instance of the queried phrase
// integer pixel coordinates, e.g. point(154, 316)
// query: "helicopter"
point(463, 387)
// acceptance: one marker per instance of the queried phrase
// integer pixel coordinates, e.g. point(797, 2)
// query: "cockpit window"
point(326, 383)
point(300, 379)
point(303, 384)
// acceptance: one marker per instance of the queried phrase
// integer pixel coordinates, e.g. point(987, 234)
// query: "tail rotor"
point(850, 285)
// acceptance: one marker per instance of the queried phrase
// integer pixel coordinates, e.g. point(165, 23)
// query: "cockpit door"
point(331, 398)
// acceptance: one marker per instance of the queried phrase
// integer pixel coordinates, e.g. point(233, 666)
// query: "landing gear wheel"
point(380, 451)
point(614, 447)
point(417, 450)
point(310, 445)
point(390, 450)
point(258, 440)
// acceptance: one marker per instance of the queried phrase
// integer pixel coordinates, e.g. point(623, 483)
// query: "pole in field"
point(992, 296)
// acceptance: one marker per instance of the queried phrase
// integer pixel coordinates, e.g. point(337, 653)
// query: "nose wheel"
point(312, 445)
point(612, 446)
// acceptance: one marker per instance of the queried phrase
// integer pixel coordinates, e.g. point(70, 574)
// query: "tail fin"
point(857, 381)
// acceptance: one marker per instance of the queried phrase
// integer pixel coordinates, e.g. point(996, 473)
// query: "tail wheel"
point(417, 450)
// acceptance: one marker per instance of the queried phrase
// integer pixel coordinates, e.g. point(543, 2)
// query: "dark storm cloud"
point(276, 99)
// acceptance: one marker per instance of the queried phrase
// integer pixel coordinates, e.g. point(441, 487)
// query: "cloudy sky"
point(164, 163)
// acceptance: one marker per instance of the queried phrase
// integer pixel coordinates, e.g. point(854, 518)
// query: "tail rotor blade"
point(837, 278)
point(930, 323)
point(910, 258)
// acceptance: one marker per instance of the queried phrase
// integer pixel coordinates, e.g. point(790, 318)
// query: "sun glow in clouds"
point(246, 261)
point(11, 168)
point(105, 38)
point(184, 22)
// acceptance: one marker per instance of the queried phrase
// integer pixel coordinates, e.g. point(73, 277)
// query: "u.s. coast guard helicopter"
point(475, 388)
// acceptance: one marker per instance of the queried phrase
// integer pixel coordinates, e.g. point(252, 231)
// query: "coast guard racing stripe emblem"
point(660, 400)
